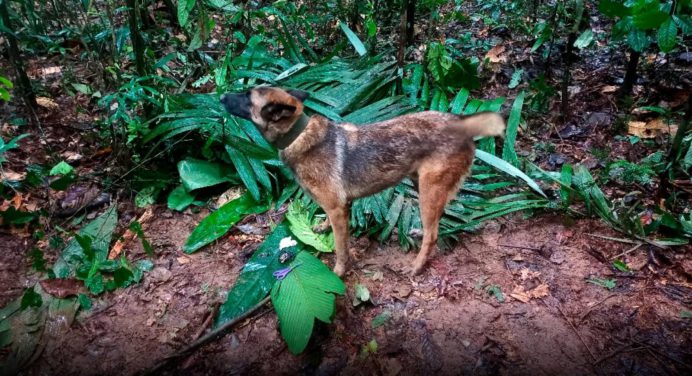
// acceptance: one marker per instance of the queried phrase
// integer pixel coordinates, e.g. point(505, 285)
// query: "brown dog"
point(337, 163)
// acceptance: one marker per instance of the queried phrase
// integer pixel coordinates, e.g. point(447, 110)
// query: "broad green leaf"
point(256, 279)
point(197, 174)
point(305, 294)
point(353, 38)
point(584, 39)
point(667, 35)
point(507, 168)
point(219, 222)
point(245, 171)
point(509, 154)
point(301, 227)
point(180, 198)
point(637, 40)
point(613, 8)
point(650, 19)
point(100, 231)
point(62, 168)
point(184, 9)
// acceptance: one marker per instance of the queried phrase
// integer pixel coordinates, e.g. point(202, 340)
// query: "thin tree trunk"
point(410, 20)
point(136, 37)
point(172, 12)
point(401, 52)
point(566, 76)
point(23, 82)
point(630, 74)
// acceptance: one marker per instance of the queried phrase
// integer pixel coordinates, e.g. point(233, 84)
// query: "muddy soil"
point(550, 321)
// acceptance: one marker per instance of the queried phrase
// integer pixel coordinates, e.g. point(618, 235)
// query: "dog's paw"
point(339, 270)
point(321, 228)
point(416, 233)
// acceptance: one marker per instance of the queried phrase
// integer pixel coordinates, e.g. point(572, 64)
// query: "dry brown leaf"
point(47, 103)
point(9, 175)
point(609, 89)
point(182, 260)
point(129, 234)
point(495, 54)
point(61, 288)
point(527, 274)
point(651, 129)
point(229, 195)
point(519, 293)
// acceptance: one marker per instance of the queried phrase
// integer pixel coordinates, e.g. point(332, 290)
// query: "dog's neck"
point(283, 141)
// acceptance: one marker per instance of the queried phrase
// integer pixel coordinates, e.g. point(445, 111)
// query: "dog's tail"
point(480, 124)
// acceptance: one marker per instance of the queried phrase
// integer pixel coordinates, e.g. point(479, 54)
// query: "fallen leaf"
point(9, 175)
point(495, 54)
point(61, 288)
point(609, 89)
point(527, 274)
point(129, 234)
point(47, 103)
point(71, 156)
point(519, 293)
point(651, 129)
point(229, 195)
point(182, 260)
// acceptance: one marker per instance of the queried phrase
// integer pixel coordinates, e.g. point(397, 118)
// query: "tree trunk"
point(566, 76)
point(136, 37)
point(410, 20)
point(630, 74)
point(401, 52)
point(23, 82)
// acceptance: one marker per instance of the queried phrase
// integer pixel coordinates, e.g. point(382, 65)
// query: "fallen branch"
point(212, 335)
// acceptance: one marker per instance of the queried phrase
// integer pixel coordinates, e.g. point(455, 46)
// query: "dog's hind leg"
point(338, 216)
point(439, 180)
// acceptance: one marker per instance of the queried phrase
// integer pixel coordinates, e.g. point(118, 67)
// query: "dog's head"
point(273, 110)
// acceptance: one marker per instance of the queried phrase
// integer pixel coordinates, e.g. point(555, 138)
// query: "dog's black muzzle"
point(237, 104)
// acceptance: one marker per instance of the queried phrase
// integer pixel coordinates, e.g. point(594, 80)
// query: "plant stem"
point(24, 84)
point(630, 74)
point(213, 334)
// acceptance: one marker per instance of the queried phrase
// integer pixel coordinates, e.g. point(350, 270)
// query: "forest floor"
point(547, 320)
point(513, 298)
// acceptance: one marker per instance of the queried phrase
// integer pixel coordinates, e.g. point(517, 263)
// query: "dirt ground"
point(442, 322)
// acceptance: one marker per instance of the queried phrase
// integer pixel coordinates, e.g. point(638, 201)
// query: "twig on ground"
point(628, 251)
point(213, 334)
point(520, 247)
point(583, 316)
point(575, 330)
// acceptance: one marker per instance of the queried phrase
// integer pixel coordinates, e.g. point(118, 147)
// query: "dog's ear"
point(299, 94)
point(277, 111)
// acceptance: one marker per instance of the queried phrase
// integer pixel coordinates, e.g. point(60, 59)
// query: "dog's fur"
point(339, 162)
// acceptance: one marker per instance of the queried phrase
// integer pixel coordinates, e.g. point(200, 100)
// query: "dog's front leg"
point(338, 216)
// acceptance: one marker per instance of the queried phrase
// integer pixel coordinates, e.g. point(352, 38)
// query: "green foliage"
point(353, 38)
point(12, 144)
point(305, 294)
point(637, 21)
point(5, 87)
point(605, 283)
point(31, 299)
point(256, 279)
point(219, 222)
point(301, 226)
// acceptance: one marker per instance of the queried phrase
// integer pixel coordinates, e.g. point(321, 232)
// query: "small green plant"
point(605, 283)
point(12, 144)
point(5, 87)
